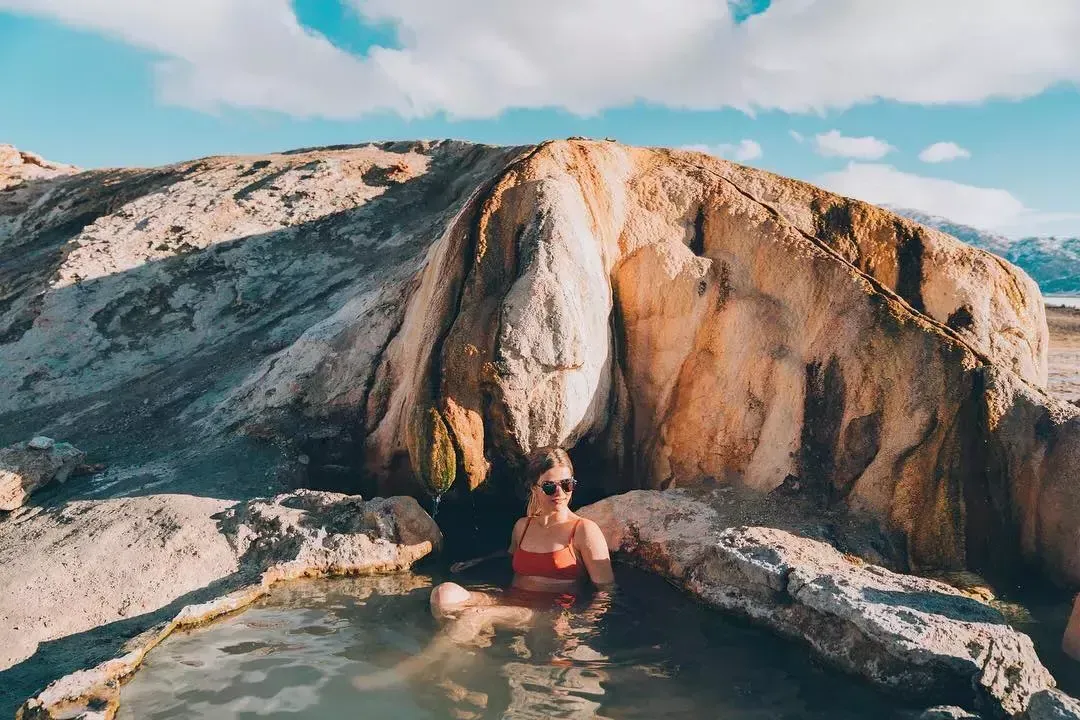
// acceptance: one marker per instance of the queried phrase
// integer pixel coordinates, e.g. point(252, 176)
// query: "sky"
point(966, 109)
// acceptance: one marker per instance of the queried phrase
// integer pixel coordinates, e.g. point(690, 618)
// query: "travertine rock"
point(321, 533)
point(18, 167)
point(948, 712)
point(911, 635)
point(262, 542)
point(683, 320)
point(687, 319)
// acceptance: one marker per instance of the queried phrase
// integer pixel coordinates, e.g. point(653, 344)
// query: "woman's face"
point(560, 481)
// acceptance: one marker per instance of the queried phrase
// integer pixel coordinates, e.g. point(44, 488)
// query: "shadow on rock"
point(935, 603)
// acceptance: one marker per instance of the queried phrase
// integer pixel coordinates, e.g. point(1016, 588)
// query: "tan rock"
point(27, 467)
point(948, 712)
point(19, 166)
point(306, 533)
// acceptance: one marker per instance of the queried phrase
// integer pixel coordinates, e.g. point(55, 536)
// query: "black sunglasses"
point(567, 484)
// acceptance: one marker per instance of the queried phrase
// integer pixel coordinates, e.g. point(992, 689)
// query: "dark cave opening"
point(474, 522)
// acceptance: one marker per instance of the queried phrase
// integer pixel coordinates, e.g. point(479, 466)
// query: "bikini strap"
point(570, 544)
point(528, 520)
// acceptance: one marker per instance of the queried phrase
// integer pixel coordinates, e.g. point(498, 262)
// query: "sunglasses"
point(567, 485)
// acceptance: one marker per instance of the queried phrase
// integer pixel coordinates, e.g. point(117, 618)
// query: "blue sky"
point(837, 92)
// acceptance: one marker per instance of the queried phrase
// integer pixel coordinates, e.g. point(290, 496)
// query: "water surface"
point(647, 652)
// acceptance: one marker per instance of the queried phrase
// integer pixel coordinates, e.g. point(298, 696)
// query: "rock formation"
point(912, 636)
point(681, 319)
point(21, 168)
point(361, 317)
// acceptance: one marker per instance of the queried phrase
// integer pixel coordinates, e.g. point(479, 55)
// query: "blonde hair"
point(537, 463)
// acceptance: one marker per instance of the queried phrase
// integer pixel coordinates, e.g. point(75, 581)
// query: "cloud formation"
point(469, 58)
point(987, 208)
point(743, 151)
point(833, 144)
point(943, 152)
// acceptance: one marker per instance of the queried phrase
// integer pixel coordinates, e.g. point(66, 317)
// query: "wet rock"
point(308, 532)
point(906, 634)
point(27, 467)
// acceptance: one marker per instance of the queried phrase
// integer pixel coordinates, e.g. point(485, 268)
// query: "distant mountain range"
point(1053, 262)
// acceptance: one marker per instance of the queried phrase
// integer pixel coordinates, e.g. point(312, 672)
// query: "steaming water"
point(651, 653)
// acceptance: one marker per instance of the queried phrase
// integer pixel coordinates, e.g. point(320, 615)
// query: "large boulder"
point(912, 636)
point(680, 319)
point(319, 533)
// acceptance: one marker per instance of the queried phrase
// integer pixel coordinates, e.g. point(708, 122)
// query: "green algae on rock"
point(431, 450)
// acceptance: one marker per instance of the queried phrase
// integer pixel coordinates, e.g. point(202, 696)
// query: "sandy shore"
point(1064, 326)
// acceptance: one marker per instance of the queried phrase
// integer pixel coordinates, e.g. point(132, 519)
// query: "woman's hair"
point(539, 462)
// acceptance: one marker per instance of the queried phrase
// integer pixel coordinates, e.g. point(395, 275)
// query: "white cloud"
point(833, 144)
point(743, 151)
point(470, 58)
point(987, 208)
point(796, 136)
point(943, 152)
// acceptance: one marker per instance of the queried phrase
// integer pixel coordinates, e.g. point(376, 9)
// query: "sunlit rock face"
point(910, 635)
point(680, 319)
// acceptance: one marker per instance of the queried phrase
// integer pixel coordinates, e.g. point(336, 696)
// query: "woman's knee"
point(447, 596)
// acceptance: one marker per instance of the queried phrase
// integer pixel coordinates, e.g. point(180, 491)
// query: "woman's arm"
point(515, 536)
point(466, 564)
point(591, 547)
point(1070, 643)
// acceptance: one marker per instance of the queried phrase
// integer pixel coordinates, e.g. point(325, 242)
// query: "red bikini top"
point(561, 564)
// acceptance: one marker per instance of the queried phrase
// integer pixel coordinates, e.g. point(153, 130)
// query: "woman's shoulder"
point(583, 521)
point(586, 529)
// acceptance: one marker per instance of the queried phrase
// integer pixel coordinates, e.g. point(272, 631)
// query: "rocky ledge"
point(299, 534)
point(903, 633)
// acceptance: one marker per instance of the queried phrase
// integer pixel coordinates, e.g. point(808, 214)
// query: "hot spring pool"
point(652, 653)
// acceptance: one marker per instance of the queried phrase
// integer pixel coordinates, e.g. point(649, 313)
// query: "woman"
point(552, 549)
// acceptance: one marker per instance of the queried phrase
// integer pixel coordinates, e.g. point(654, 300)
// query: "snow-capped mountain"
point(1053, 262)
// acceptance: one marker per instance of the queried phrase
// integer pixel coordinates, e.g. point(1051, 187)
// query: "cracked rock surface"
point(909, 635)
point(135, 563)
point(331, 534)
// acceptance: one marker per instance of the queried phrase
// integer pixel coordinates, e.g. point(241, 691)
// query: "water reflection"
point(642, 653)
